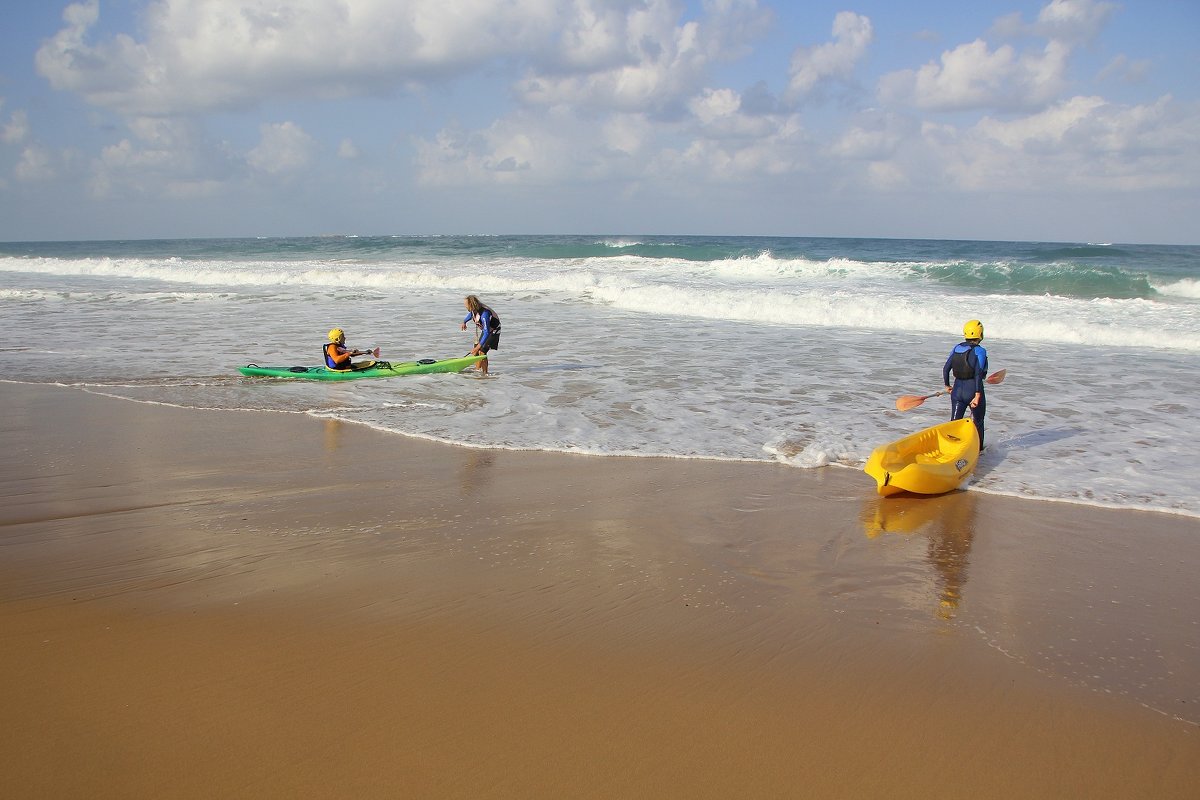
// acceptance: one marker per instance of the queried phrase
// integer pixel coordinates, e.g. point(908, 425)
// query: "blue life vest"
point(329, 362)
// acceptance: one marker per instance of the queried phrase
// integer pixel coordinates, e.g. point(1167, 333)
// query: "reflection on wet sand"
point(947, 522)
point(333, 435)
point(474, 469)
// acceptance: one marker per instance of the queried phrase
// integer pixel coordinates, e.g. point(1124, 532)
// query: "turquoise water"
point(748, 348)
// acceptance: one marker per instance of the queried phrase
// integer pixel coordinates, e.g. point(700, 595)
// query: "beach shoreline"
point(201, 603)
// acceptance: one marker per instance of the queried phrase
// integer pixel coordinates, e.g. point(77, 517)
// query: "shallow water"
point(792, 350)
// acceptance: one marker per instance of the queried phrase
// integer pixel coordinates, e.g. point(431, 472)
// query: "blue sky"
point(1067, 120)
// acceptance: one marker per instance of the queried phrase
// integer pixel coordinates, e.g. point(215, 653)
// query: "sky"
point(1067, 120)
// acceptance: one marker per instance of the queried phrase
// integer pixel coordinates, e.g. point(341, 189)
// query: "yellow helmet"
point(973, 329)
point(336, 334)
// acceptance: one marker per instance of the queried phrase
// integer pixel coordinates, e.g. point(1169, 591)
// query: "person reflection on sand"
point(475, 470)
point(947, 522)
point(950, 549)
point(333, 435)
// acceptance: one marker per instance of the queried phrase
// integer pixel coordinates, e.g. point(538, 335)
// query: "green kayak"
point(380, 369)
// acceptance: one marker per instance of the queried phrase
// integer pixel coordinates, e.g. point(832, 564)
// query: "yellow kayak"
point(931, 461)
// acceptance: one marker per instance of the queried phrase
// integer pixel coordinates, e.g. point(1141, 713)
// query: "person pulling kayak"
point(969, 364)
point(487, 324)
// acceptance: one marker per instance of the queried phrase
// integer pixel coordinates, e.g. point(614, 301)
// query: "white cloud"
point(227, 54)
point(619, 91)
point(1124, 69)
point(284, 147)
point(874, 143)
point(1069, 21)
point(626, 135)
point(786, 151)
point(198, 55)
point(660, 63)
point(597, 39)
point(36, 164)
point(1049, 126)
point(1074, 21)
point(715, 141)
point(836, 60)
point(718, 113)
point(972, 76)
point(511, 151)
point(883, 152)
point(175, 158)
point(713, 104)
point(638, 57)
point(169, 156)
point(17, 128)
point(1083, 142)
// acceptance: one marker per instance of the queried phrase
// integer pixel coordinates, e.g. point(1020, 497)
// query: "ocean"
point(786, 350)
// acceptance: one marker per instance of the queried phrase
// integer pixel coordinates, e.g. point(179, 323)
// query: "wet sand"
point(214, 604)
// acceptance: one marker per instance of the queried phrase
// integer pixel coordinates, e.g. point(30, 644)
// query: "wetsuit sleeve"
point(485, 319)
point(468, 318)
point(981, 371)
point(946, 369)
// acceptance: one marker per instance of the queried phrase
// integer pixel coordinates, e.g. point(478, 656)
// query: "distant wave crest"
point(1187, 288)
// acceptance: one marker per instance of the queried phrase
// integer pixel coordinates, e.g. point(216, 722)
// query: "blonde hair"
point(474, 305)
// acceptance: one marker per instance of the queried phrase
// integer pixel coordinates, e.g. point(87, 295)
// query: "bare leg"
point(483, 366)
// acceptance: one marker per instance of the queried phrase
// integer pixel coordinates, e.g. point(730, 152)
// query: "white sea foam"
point(1188, 288)
point(794, 360)
point(842, 293)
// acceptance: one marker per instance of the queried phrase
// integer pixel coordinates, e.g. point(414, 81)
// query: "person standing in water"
point(487, 325)
point(968, 362)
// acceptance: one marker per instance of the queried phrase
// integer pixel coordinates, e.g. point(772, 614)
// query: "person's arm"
point(341, 355)
point(485, 319)
point(946, 370)
point(980, 374)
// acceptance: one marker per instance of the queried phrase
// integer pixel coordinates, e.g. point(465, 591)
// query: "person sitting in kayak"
point(968, 362)
point(487, 323)
point(337, 355)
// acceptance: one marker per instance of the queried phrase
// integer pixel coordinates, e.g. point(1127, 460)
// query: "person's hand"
point(462, 327)
point(975, 401)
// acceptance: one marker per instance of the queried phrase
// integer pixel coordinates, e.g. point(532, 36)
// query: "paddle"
point(361, 365)
point(908, 402)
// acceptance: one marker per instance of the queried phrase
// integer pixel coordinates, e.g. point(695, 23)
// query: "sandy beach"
point(214, 604)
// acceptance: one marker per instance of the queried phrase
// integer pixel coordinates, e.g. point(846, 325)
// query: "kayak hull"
point(931, 461)
point(382, 369)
